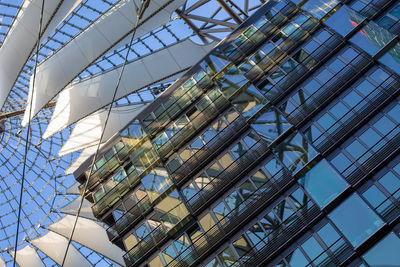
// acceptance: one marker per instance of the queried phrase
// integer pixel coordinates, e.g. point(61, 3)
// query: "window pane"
point(323, 183)
point(328, 234)
point(227, 257)
point(312, 248)
point(344, 20)
point(319, 8)
point(297, 259)
point(390, 182)
point(355, 219)
point(368, 37)
point(392, 59)
point(385, 253)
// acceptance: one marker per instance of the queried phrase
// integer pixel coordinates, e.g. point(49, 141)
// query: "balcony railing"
point(117, 192)
point(153, 240)
point(373, 7)
point(273, 24)
point(178, 106)
point(389, 210)
point(194, 126)
point(130, 218)
point(209, 150)
point(109, 167)
point(279, 53)
point(374, 102)
point(146, 245)
point(227, 177)
point(281, 235)
point(325, 93)
point(297, 75)
point(374, 156)
point(341, 251)
point(236, 219)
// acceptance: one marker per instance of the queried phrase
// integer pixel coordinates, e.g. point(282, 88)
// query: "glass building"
point(229, 132)
point(279, 148)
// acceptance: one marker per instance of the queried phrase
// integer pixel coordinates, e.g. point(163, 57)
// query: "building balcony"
point(130, 218)
point(227, 177)
point(275, 56)
point(282, 235)
point(116, 193)
point(179, 104)
point(158, 236)
point(240, 216)
point(202, 156)
point(363, 111)
point(331, 89)
point(146, 245)
point(244, 46)
point(374, 157)
point(298, 73)
point(108, 167)
point(144, 158)
point(194, 126)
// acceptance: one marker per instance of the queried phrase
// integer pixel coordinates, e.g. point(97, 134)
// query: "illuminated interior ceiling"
point(80, 55)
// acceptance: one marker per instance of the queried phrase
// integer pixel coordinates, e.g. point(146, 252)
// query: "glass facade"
point(279, 148)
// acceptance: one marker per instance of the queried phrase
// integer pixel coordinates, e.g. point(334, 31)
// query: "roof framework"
point(47, 198)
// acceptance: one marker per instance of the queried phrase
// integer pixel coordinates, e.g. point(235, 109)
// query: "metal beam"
point(16, 113)
point(191, 25)
point(212, 21)
point(230, 11)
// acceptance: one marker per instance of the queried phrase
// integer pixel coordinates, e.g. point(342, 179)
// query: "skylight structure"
point(81, 52)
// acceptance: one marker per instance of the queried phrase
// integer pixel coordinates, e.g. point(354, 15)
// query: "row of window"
point(279, 80)
point(390, 20)
point(327, 247)
point(124, 178)
point(382, 192)
point(372, 139)
point(259, 31)
point(329, 78)
point(146, 235)
point(269, 231)
point(373, 37)
point(226, 164)
point(191, 121)
point(352, 222)
point(352, 105)
point(207, 140)
point(181, 98)
point(275, 49)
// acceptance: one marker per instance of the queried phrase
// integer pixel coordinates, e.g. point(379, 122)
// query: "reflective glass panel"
point(392, 59)
point(318, 8)
point(372, 38)
point(355, 220)
point(385, 253)
point(344, 20)
point(323, 183)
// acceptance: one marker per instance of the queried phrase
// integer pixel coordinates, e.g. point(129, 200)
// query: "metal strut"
point(139, 14)
point(27, 133)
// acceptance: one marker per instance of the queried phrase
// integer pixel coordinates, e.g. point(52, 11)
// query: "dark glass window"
point(323, 183)
point(318, 8)
point(355, 220)
point(371, 38)
point(385, 253)
point(295, 152)
point(344, 20)
point(392, 59)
